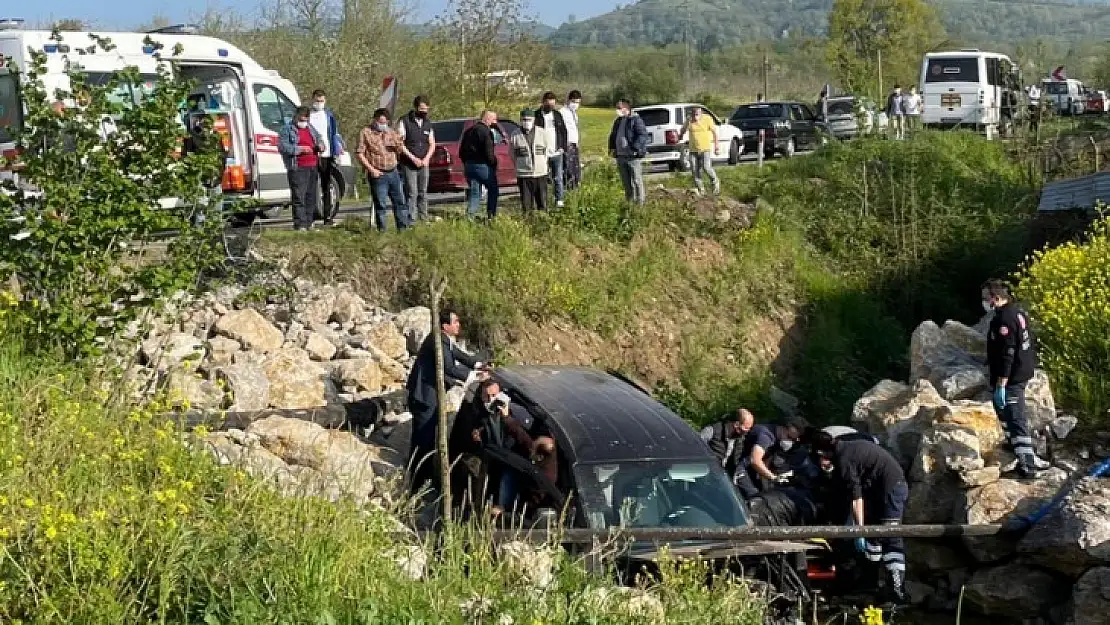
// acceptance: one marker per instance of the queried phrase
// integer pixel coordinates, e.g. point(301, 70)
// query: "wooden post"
point(881, 92)
point(437, 287)
point(759, 151)
point(766, 77)
point(1094, 144)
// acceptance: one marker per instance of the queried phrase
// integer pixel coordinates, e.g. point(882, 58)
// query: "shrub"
point(661, 84)
point(1067, 290)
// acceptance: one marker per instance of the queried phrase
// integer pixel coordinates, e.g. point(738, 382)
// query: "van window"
point(124, 94)
point(11, 109)
point(274, 109)
point(1056, 88)
point(656, 117)
point(953, 70)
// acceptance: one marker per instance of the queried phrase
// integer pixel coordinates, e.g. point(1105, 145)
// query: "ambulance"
point(966, 88)
point(249, 103)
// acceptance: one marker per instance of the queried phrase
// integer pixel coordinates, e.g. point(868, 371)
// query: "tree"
point(70, 25)
point(863, 31)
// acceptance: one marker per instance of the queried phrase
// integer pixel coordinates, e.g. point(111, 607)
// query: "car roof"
point(602, 417)
point(667, 105)
point(770, 103)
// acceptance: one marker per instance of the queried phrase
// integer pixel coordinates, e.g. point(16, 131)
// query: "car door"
point(723, 138)
point(506, 166)
point(802, 129)
point(274, 109)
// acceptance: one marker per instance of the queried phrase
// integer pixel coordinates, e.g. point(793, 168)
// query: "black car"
point(787, 126)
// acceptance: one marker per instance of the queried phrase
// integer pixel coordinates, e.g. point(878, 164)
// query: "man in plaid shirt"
point(378, 149)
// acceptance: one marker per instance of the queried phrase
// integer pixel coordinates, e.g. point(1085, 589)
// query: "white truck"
point(1064, 97)
point(258, 102)
point(968, 88)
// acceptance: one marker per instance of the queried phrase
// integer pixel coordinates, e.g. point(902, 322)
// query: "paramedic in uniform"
point(877, 492)
point(1011, 359)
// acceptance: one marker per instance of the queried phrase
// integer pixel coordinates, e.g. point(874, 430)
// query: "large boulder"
point(358, 375)
point(898, 414)
point(189, 390)
point(978, 418)
point(316, 307)
point(1091, 598)
point(318, 347)
point(936, 353)
point(347, 307)
point(221, 350)
point(1017, 590)
point(946, 450)
point(173, 351)
point(250, 329)
point(996, 503)
point(415, 324)
point(296, 382)
point(1076, 535)
point(248, 385)
point(1040, 408)
point(386, 338)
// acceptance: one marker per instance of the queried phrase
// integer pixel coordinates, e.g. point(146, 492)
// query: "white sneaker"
point(559, 204)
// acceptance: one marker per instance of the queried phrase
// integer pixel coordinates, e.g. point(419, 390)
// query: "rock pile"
point(943, 430)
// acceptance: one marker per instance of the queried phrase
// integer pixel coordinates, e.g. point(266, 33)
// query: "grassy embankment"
point(853, 246)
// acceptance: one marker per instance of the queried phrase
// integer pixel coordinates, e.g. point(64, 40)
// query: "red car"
point(445, 173)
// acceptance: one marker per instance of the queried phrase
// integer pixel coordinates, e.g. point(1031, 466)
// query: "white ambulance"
point(257, 102)
point(966, 88)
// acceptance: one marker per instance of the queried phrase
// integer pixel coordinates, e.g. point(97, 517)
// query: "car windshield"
point(953, 70)
point(448, 132)
point(10, 107)
point(1056, 88)
point(693, 493)
point(655, 117)
point(759, 111)
point(842, 107)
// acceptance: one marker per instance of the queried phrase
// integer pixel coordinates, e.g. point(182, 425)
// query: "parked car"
point(788, 127)
point(665, 121)
point(844, 117)
point(445, 172)
point(1097, 102)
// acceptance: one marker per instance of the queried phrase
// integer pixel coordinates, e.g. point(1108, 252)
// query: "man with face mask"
point(628, 141)
point(1012, 359)
point(572, 163)
point(742, 446)
point(378, 149)
point(300, 145)
point(323, 120)
point(553, 124)
point(419, 139)
point(529, 149)
point(876, 491)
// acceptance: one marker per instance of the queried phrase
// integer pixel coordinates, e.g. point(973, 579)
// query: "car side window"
point(807, 113)
point(796, 113)
point(275, 110)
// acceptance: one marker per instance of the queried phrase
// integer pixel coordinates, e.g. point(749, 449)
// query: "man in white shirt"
point(419, 140)
point(552, 122)
point(323, 120)
point(571, 160)
point(912, 109)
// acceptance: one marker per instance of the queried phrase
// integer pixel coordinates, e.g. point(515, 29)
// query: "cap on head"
point(527, 114)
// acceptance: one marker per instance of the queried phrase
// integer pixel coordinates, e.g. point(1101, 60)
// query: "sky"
point(127, 14)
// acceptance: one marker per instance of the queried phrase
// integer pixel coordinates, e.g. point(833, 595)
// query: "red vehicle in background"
point(1097, 102)
point(445, 172)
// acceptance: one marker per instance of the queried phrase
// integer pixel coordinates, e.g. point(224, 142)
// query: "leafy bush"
point(74, 229)
point(661, 84)
point(1067, 290)
point(105, 517)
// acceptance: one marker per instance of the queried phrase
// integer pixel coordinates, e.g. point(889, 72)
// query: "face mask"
point(827, 469)
point(421, 114)
point(318, 106)
point(302, 125)
point(381, 127)
point(527, 124)
point(573, 106)
point(987, 305)
point(786, 445)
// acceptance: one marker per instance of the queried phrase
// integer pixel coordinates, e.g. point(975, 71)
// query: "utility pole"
point(686, 44)
point(766, 76)
point(881, 92)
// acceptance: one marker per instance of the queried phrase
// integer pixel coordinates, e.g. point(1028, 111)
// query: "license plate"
point(950, 100)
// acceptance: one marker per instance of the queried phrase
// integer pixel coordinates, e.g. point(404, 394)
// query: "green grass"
point(105, 517)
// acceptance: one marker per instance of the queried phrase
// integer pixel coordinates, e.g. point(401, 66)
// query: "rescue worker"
point(749, 463)
point(1011, 359)
point(876, 492)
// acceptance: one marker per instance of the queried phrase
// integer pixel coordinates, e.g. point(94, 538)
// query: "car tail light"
point(10, 154)
point(235, 178)
point(441, 158)
point(816, 571)
point(671, 137)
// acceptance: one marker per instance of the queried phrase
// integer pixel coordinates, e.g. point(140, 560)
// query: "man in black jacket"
point(476, 151)
point(876, 491)
point(550, 120)
point(628, 141)
point(420, 144)
point(1012, 360)
point(423, 401)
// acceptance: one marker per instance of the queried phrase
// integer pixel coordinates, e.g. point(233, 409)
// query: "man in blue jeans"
point(378, 149)
point(476, 151)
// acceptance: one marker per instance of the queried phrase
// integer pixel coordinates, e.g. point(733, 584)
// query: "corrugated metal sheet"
point(1076, 193)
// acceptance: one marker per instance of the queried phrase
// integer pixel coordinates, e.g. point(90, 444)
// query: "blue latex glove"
point(861, 545)
point(1000, 398)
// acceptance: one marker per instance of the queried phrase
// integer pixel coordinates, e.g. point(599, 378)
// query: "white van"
point(965, 89)
point(258, 102)
point(1065, 97)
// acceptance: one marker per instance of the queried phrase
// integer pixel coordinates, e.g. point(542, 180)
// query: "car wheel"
point(791, 148)
point(734, 152)
point(338, 190)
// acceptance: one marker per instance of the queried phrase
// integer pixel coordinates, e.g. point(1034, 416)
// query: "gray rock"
point(962, 382)
point(189, 391)
point(898, 414)
point(996, 503)
point(387, 339)
point(348, 307)
point(221, 350)
point(317, 308)
point(318, 347)
point(177, 350)
point(945, 450)
point(250, 329)
point(296, 382)
point(248, 385)
point(1091, 598)
point(1017, 590)
point(358, 375)
point(980, 477)
point(1040, 408)
point(787, 403)
point(1063, 425)
point(935, 352)
point(415, 324)
point(1076, 535)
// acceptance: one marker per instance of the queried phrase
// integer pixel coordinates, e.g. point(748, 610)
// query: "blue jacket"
point(335, 142)
point(635, 132)
point(288, 140)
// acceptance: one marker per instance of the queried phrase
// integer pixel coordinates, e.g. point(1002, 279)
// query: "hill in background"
point(715, 23)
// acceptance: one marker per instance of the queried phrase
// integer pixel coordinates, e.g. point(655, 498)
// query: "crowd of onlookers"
point(396, 157)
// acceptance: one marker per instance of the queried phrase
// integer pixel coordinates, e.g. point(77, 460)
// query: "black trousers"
point(533, 193)
point(423, 463)
point(325, 166)
point(304, 184)
point(887, 508)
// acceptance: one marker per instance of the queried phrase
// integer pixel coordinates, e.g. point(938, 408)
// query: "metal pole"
point(437, 288)
point(881, 92)
point(747, 534)
point(766, 76)
point(759, 152)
